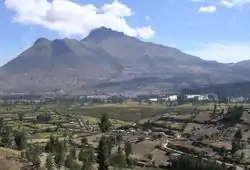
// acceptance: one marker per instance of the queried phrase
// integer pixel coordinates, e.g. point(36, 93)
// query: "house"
point(198, 97)
point(153, 99)
point(171, 98)
point(237, 99)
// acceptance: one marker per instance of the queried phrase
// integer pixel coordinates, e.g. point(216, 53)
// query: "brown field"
point(9, 159)
point(142, 148)
point(122, 113)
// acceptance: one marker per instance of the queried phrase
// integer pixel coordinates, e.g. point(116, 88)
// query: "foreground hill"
point(110, 61)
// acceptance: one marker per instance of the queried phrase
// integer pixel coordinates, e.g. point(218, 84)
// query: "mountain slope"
point(59, 64)
point(173, 67)
point(151, 58)
point(109, 61)
point(222, 90)
point(242, 68)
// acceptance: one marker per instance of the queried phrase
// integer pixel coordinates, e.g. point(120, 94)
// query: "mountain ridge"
point(107, 56)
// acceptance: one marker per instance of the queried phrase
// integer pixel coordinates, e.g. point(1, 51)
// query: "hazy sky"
point(211, 29)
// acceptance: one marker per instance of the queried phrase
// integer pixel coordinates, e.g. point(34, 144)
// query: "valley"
point(157, 133)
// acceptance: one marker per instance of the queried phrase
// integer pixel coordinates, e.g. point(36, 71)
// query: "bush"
point(194, 163)
point(149, 156)
point(140, 139)
point(233, 115)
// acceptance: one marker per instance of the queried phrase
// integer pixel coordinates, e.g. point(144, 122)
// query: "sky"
point(211, 29)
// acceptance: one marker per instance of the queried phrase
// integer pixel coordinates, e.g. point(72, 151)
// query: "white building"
point(153, 99)
point(172, 98)
point(198, 96)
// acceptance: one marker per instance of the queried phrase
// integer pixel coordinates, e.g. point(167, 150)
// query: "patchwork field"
point(156, 132)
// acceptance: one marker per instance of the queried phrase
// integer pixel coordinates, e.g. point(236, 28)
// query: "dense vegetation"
point(185, 162)
point(233, 115)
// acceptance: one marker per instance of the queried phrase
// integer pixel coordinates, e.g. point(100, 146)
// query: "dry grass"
point(142, 148)
point(121, 113)
point(159, 157)
point(9, 151)
point(9, 159)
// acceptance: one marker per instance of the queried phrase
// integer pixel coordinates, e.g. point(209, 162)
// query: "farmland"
point(157, 132)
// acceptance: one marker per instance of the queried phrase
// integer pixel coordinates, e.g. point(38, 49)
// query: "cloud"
point(232, 3)
point(145, 32)
point(197, 0)
point(228, 4)
point(225, 53)
point(70, 19)
point(225, 3)
point(147, 18)
point(207, 9)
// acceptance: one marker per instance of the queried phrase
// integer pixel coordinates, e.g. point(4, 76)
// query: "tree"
point(59, 160)
point(5, 133)
point(49, 162)
point(113, 139)
point(20, 140)
point(6, 137)
point(69, 162)
point(128, 149)
point(242, 155)
point(60, 150)
point(103, 154)
point(81, 155)
point(235, 146)
point(149, 156)
point(110, 145)
point(141, 138)
point(73, 153)
point(37, 108)
point(87, 158)
point(37, 150)
point(86, 166)
point(193, 163)
point(233, 115)
point(118, 159)
point(215, 108)
point(222, 111)
point(48, 147)
point(43, 118)
point(32, 154)
point(23, 142)
point(119, 138)
point(238, 134)
point(2, 126)
point(104, 123)
point(52, 145)
point(60, 147)
point(20, 116)
point(84, 141)
point(223, 152)
point(36, 162)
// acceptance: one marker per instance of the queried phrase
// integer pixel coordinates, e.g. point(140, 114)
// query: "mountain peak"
point(102, 33)
point(41, 41)
point(106, 31)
